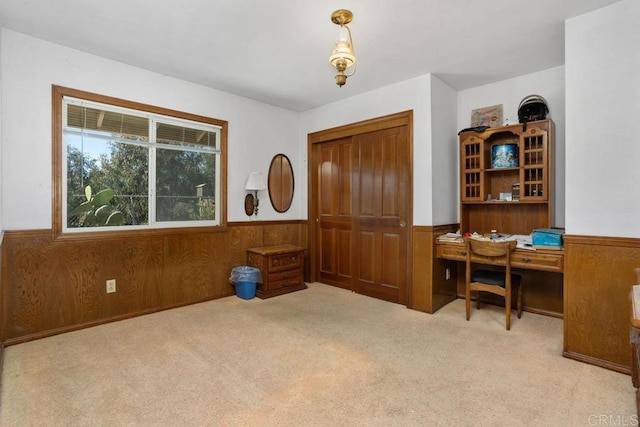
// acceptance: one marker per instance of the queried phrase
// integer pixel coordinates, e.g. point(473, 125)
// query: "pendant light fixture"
point(343, 56)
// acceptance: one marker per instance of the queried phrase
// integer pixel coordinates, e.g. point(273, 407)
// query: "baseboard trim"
point(76, 327)
point(543, 312)
point(597, 362)
point(435, 307)
point(2, 345)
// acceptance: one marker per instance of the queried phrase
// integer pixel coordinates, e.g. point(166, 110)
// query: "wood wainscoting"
point(431, 289)
point(3, 317)
point(598, 276)
point(51, 286)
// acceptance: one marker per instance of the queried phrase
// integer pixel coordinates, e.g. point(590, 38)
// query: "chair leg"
point(478, 300)
point(507, 309)
point(467, 297)
point(520, 301)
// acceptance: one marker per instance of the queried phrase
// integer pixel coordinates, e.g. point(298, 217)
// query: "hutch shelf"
point(506, 178)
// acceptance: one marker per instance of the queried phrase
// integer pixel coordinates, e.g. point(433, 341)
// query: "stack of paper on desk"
point(450, 237)
point(524, 242)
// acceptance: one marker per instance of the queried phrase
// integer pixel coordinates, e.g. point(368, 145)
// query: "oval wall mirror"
point(280, 183)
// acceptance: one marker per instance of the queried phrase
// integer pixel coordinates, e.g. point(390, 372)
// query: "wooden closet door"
point(335, 160)
point(362, 194)
point(381, 213)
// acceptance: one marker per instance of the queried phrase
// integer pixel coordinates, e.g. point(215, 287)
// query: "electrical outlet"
point(447, 274)
point(111, 286)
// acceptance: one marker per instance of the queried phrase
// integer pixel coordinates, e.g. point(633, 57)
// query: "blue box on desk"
point(547, 238)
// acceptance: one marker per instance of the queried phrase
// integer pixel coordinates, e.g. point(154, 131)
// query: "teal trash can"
point(245, 279)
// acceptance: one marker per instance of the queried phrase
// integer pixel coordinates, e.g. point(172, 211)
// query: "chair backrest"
point(490, 248)
point(487, 248)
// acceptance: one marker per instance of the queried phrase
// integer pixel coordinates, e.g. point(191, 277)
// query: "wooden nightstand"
point(281, 267)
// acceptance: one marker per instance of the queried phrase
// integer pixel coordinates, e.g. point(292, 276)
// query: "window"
point(123, 165)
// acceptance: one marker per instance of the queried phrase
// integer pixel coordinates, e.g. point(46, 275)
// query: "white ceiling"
point(276, 51)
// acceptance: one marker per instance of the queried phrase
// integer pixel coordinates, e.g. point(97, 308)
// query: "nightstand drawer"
point(284, 279)
point(285, 262)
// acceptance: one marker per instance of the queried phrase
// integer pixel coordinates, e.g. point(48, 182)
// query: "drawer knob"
point(526, 260)
point(463, 253)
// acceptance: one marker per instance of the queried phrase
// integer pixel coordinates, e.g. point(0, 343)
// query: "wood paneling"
point(51, 286)
point(598, 275)
point(2, 306)
point(513, 218)
point(431, 290)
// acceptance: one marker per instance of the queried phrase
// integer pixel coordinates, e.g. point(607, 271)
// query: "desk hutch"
point(485, 205)
point(481, 207)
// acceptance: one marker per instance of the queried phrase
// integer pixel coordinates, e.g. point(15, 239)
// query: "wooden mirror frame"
point(281, 183)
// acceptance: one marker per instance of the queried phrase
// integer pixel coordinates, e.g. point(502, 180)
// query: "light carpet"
point(323, 356)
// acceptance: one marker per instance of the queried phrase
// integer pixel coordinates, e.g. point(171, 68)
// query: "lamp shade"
point(343, 48)
point(343, 51)
point(255, 182)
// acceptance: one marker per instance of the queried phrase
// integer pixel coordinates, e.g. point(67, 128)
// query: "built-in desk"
point(543, 291)
point(540, 259)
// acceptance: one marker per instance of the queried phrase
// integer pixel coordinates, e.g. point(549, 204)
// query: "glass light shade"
point(255, 182)
point(344, 51)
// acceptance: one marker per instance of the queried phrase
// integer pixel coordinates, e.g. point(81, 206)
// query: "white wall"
point(444, 154)
point(549, 84)
point(1, 144)
point(30, 66)
point(414, 94)
point(603, 121)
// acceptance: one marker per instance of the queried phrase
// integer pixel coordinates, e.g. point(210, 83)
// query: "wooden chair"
point(502, 283)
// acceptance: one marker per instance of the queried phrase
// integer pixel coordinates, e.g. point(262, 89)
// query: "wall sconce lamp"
point(343, 55)
point(255, 183)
